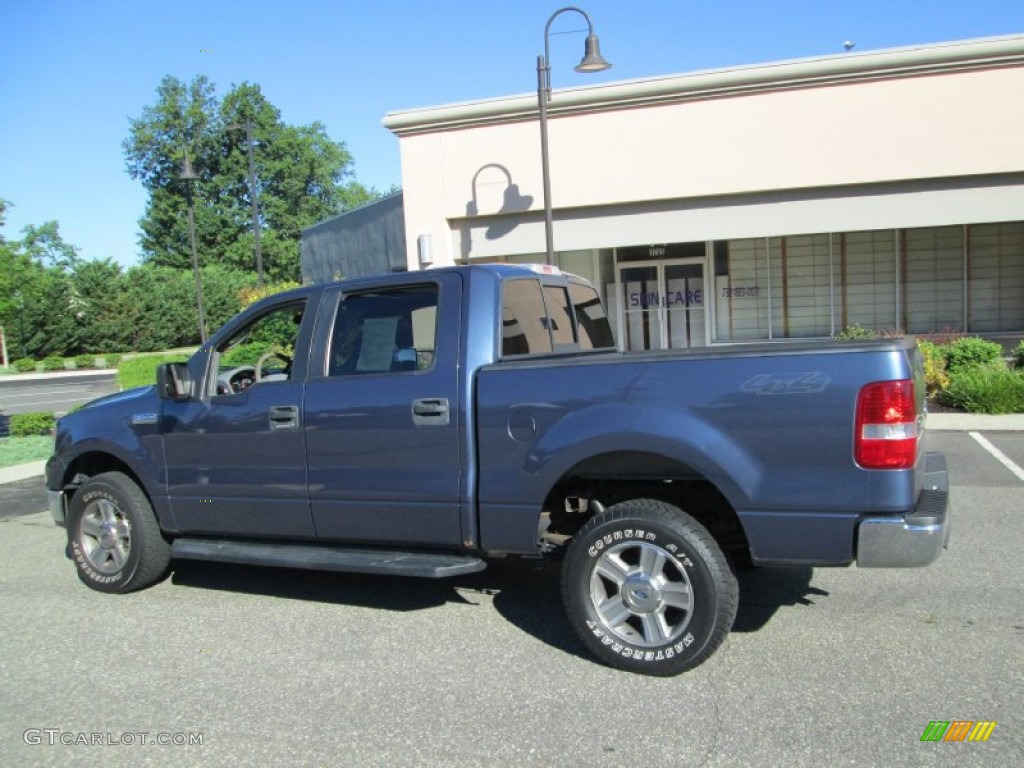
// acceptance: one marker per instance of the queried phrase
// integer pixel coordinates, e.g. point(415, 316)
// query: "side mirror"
point(173, 382)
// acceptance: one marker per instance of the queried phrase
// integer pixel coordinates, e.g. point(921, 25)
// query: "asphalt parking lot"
point(824, 666)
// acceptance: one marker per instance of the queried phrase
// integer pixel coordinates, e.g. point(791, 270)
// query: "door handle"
point(430, 412)
point(284, 417)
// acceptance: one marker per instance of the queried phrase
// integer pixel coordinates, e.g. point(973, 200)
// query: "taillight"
point(886, 436)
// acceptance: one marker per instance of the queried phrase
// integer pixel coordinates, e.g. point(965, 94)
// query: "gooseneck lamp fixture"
point(253, 196)
point(592, 62)
point(188, 176)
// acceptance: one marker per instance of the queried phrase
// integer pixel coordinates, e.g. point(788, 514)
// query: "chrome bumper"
point(915, 539)
point(58, 503)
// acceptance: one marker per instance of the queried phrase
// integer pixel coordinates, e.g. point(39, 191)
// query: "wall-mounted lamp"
point(425, 249)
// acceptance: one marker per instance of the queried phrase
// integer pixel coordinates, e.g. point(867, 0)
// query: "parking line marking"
point(998, 455)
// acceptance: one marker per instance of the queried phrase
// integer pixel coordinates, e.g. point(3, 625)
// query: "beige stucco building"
point(779, 201)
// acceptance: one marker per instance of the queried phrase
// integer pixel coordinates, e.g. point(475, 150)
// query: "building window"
point(741, 289)
point(932, 266)
point(866, 279)
point(995, 276)
point(801, 276)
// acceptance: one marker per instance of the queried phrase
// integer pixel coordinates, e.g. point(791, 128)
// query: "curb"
point(22, 472)
point(974, 422)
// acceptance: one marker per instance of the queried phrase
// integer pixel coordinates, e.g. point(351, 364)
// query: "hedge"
point(33, 423)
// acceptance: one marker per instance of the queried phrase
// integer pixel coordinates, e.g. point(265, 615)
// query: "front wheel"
point(647, 588)
point(113, 535)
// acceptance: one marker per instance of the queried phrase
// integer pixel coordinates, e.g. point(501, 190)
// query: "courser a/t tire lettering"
point(647, 588)
point(113, 536)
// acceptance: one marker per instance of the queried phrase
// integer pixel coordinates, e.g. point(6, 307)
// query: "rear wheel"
point(113, 536)
point(647, 588)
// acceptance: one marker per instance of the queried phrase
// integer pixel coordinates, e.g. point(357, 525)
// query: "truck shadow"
point(525, 592)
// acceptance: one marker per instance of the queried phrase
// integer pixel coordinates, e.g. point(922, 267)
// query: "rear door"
point(382, 418)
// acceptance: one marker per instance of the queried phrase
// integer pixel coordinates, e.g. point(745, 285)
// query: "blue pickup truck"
point(418, 424)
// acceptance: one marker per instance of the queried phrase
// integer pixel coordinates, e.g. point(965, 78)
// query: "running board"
point(426, 565)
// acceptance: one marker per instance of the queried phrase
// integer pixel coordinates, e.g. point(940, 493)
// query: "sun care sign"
point(958, 730)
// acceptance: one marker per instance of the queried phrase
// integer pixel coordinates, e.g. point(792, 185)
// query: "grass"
point(141, 371)
point(22, 450)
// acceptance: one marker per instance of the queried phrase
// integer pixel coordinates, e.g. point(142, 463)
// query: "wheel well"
point(598, 482)
point(94, 463)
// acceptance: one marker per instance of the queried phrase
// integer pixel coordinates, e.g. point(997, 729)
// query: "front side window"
point(385, 331)
point(262, 351)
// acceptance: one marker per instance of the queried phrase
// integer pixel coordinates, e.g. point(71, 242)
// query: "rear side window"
point(556, 299)
point(385, 331)
point(540, 319)
point(524, 319)
point(594, 329)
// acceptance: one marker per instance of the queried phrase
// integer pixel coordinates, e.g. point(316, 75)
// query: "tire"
point(647, 588)
point(113, 536)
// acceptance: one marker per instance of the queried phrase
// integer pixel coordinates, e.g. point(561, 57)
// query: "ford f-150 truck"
point(418, 424)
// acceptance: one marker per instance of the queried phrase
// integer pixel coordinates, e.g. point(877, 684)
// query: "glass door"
point(684, 304)
point(639, 294)
point(663, 305)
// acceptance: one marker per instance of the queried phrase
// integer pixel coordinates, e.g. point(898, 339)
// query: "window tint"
point(524, 320)
point(559, 316)
point(594, 329)
point(385, 331)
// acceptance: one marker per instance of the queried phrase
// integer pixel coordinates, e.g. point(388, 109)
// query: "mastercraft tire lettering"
point(647, 588)
point(113, 535)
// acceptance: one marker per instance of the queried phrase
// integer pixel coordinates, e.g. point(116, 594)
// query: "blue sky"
point(72, 73)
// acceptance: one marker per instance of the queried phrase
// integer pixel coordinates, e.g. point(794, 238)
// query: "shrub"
point(85, 361)
point(29, 424)
point(985, 389)
point(25, 365)
point(111, 361)
point(971, 352)
point(53, 363)
point(245, 354)
point(935, 376)
point(1018, 356)
point(855, 332)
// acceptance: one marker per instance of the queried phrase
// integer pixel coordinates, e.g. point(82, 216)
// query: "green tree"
point(44, 245)
point(302, 177)
point(106, 308)
point(13, 265)
point(37, 304)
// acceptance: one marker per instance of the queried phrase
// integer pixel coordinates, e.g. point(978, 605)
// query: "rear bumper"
point(915, 539)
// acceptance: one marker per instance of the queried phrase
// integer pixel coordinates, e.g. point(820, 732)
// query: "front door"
point(663, 305)
point(236, 456)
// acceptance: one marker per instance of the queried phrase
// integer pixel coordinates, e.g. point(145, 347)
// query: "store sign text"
point(741, 292)
point(670, 299)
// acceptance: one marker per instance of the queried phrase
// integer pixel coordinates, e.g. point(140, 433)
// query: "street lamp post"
point(253, 198)
point(592, 62)
point(21, 322)
point(187, 175)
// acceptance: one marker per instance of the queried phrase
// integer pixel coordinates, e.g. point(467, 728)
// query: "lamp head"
point(187, 174)
point(592, 60)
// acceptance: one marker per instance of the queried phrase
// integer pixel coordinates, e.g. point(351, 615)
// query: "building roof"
point(798, 73)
